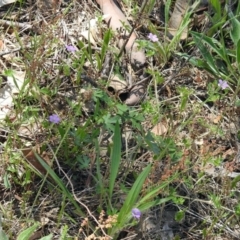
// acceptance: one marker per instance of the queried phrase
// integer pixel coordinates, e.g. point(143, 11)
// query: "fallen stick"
point(15, 24)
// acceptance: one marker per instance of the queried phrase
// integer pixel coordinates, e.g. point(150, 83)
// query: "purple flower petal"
point(152, 37)
point(71, 48)
point(222, 84)
point(136, 213)
point(54, 118)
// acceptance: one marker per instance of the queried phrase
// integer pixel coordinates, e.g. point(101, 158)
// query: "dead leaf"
point(229, 152)
point(92, 33)
point(48, 5)
point(6, 101)
point(28, 129)
point(198, 78)
point(218, 151)
point(37, 235)
point(180, 9)
point(1, 45)
point(6, 2)
point(169, 91)
point(209, 169)
point(160, 128)
point(199, 141)
point(16, 81)
point(116, 85)
point(215, 118)
point(12, 86)
point(29, 155)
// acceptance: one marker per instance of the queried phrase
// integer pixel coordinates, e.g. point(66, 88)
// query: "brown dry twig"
point(15, 24)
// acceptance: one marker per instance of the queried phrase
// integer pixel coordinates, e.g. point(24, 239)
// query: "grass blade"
point(26, 234)
point(115, 158)
point(59, 183)
point(238, 54)
point(106, 40)
point(213, 43)
point(48, 237)
point(235, 32)
point(133, 195)
point(205, 53)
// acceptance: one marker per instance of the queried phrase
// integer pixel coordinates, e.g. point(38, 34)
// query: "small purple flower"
point(222, 84)
point(136, 213)
point(71, 48)
point(54, 118)
point(152, 37)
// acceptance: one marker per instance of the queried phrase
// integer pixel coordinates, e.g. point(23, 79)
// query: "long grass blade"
point(133, 195)
point(115, 158)
point(59, 183)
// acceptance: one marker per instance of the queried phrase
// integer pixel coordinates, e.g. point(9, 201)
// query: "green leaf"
point(167, 11)
point(217, 7)
point(7, 183)
point(122, 108)
point(237, 210)
point(48, 237)
point(27, 233)
point(115, 158)
point(155, 191)
point(59, 183)
point(214, 28)
point(179, 216)
point(185, 93)
point(213, 43)
point(238, 9)
point(3, 235)
point(132, 196)
point(106, 39)
point(238, 54)
point(235, 31)
point(196, 62)
point(205, 53)
point(148, 205)
point(153, 146)
point(235, 181)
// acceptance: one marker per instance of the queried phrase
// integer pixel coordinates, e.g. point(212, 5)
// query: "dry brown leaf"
point(6, 2)
point(218, 151)
point(48, 5)
point(209, 169)
point(29, 129)
point(180, 9)
point(229, 152)
point(12, 86)
point(198, 78)
point(1, 45)
point(205, 147)
point(29, 155)
point(160, 128)
point(91, 33)
point(199, 141)
point(169, 91)
point(116, 84)
point(215, 118)
point(37, 235)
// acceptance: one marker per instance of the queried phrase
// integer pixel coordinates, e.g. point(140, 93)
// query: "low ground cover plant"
point(102, 141)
